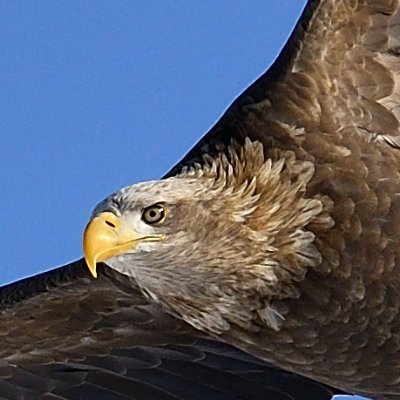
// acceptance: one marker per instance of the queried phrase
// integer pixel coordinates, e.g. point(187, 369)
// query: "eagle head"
point(216, 244)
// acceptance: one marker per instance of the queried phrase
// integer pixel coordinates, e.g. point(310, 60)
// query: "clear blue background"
point(96, 95)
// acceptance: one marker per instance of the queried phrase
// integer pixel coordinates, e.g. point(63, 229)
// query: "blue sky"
point(99, 95)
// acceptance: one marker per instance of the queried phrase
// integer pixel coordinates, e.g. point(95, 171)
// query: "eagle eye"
point(153, 214)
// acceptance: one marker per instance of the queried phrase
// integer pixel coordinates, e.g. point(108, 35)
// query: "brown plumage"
point(277, 234)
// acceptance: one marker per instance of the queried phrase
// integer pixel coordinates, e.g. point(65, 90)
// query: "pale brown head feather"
point(236, 238)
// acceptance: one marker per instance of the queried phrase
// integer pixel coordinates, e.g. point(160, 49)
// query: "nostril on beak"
point(110, 224)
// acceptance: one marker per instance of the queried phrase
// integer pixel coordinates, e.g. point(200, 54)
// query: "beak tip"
point(92, 268)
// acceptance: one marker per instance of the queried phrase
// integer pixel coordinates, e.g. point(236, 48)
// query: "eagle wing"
point(338, 74)
point(67, 336)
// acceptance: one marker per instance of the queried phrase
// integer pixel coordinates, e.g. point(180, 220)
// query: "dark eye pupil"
point(152, 214)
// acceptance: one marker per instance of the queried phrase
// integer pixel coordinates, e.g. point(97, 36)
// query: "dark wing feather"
point(67, 336)
point(338, 73)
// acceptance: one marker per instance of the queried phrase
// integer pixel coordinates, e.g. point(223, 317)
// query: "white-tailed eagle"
point(265, 265)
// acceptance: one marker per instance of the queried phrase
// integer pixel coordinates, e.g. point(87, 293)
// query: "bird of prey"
point(265, 265)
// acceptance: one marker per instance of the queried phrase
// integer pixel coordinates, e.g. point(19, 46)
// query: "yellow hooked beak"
point(105, 237)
